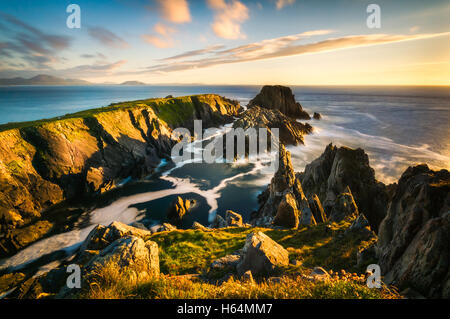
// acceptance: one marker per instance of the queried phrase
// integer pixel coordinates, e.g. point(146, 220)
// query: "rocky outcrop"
point(344, 206)
point(338, 168)
point(280, 98)
point(283, 203)
point(46, 162)
point(317, 116)
point(291, 132)
point(233, 219)
point(178, 209)
point(414, 238)
point(317, 209)
point(128, 251)
point(261, 255)
point(219, 222)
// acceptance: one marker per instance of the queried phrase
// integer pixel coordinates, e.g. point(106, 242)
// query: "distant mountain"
point(43, 79)
point(133, 83)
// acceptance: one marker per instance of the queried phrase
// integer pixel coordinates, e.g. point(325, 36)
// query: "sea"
point(396, 126)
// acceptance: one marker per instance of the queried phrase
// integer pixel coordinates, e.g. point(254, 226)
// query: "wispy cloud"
point(228, 18)
point(162, 37)
point(175, 11)
point(195, 53)
point(279, 47)
point(107, 37)
point(31, 45)
point(283, 3)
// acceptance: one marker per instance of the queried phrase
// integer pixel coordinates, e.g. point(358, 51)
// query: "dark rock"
point(414, 238)
point(219, 222)
point(178, 209)
point(329, 175)
point(317, 209)
point(287, 213)
point(344, 207)
point(280, 98)
point(317, 116)
point(291, 132)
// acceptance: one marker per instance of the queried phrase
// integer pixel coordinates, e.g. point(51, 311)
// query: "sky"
point(289, 42)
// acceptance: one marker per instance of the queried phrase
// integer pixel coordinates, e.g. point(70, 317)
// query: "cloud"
point(283, 3)
point(98, 55)
point(94, 68)
point(175, 11)
point(279, 47)
point(163, 38)
point(194, 53)
point(107, 37)
point(30, 45)
point(157, 41)
point(228, 18)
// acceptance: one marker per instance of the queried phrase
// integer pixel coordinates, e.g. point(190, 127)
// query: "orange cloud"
point(176, 11)
point(228, 18)
point(282, 3)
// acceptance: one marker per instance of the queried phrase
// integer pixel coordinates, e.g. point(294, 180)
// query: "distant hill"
point(43, 79)
point(133, 83)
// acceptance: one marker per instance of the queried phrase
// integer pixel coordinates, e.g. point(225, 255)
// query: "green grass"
point(172, 110)
point(192, 251)
point(112, 282)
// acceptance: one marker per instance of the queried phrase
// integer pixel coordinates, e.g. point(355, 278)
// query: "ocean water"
point(396, 126)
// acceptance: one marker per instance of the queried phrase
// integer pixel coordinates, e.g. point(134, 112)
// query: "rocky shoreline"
point(336, 200)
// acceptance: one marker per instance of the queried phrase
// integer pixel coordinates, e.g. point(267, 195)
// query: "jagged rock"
point(317, 116)
point(317, 209)
point(178, 209)
point(280, 98)
point(292, 209)
point(344, 206)
point(102, 236)
point(291, 132)
point(261, 255)
point(414, 238)
point(198, 226)
point(128, 251)
point(329, 175)
point(287, 213)
point(233, 219)
point(219, 222)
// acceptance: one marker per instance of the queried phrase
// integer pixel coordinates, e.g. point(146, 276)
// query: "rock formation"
point(414, 238)
point(280, 98)
point(283, 203)
point(233, 219)
point(338, 168)
point(261, 255)
point(291, 132)
point(178, 209)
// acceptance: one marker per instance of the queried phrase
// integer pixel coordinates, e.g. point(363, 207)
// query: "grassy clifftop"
point(186, 256)
point(47, 161)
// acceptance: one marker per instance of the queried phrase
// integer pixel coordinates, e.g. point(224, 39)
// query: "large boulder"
point(338, 168)
point(101, 236)
point(414, 238)
point(280, 98)
point(317, 209)
point(287, 212)
point(261, 255)
point(131, 252)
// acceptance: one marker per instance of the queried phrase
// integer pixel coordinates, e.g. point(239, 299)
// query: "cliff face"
point(46, 162)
